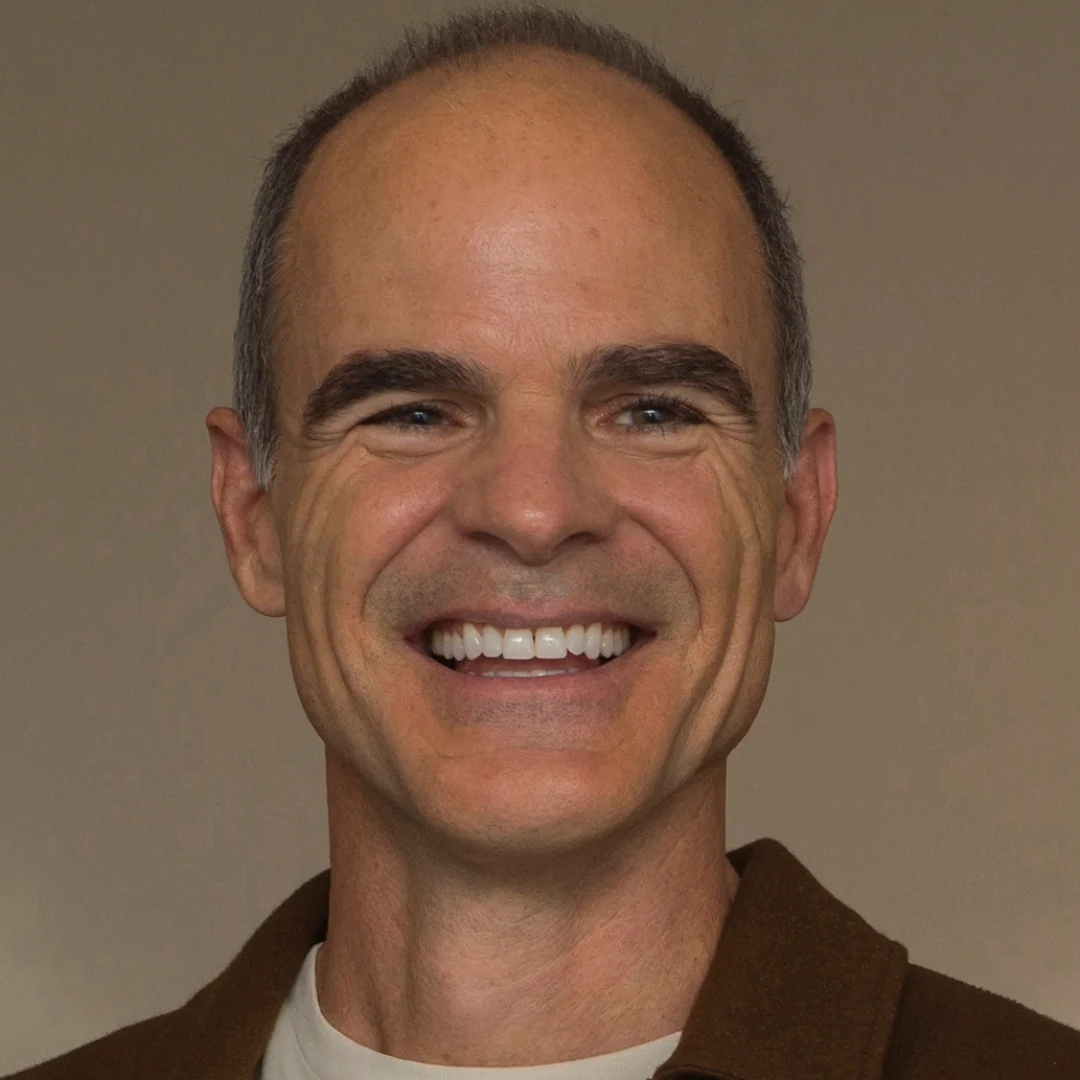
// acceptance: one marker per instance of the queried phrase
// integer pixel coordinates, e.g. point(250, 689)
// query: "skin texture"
point(532, 871)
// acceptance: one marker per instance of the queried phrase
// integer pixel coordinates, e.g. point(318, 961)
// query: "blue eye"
point(657, 413)
point(655, 406)
point(651, 415)
point(408, 416)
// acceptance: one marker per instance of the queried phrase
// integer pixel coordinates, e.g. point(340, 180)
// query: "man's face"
point(525, 220)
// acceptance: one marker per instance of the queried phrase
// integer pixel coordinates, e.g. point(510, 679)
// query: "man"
point(523, 455)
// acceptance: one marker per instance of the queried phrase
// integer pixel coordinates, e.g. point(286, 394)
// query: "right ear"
point(246, 516)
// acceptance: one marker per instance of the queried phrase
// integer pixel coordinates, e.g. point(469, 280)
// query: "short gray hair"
point(468, 35)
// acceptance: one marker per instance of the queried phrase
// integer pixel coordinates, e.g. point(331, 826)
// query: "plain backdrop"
point(160, 788)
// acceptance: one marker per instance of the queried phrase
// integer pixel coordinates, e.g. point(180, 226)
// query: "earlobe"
point(809, 502)
point(246, 516)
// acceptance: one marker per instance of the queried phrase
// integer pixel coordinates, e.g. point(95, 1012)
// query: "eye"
point(416, 414)
point(653, 409)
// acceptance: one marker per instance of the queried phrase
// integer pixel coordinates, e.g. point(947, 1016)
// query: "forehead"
point(531, 203)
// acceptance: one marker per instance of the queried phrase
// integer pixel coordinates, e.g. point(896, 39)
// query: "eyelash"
point(685, 413)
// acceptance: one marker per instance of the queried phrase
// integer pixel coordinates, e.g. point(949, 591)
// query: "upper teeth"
point(467, 641)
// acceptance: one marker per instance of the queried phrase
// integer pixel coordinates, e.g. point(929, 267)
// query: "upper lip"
point(532, 618)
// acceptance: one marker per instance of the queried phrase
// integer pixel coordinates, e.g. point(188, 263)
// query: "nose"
point(533, 487)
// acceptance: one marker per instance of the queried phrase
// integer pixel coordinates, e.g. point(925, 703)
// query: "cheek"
point(349, 521)
point(343, 525)
point(695, 509)
point(710, 515)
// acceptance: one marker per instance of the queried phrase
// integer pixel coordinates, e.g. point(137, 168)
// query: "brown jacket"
point(800, 987)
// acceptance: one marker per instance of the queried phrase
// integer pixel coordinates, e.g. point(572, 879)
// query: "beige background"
point(160, 790)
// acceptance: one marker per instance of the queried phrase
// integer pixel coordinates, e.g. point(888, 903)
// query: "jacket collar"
point(222, 1032)
point(800, 986)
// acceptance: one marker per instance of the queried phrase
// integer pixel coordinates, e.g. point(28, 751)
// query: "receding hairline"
point(387, 111)
point(512, 63)
point(463, 37)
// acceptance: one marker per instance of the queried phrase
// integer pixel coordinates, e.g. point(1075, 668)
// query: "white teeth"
point(523, 674)
point(550, 643)
point(492, 641)
point(592, 641)
point(518, 645)
point(474, 641)
point(466, 640)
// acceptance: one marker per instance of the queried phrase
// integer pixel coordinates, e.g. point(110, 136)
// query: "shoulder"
point(948, 1029)
point(135, 1051)
point(223, 1029)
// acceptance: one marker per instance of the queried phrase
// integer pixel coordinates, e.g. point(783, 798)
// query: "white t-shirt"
point(304, 1046)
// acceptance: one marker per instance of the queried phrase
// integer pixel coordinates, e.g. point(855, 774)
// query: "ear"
point(246, 516)
point(809, 502)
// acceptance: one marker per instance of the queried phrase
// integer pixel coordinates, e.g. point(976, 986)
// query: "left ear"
point(809, 503)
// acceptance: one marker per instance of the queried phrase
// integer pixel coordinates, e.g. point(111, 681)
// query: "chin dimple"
point(467, 641)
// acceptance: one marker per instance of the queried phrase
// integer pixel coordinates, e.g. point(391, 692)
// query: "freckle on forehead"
point(490, 164)
point(527, 117)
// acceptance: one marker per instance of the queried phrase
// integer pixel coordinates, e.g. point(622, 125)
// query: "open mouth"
point(528, 652)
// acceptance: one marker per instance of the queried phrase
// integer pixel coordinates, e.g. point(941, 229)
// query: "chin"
point(534, 809)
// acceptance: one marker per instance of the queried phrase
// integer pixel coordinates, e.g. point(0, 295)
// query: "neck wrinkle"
point(449, 962)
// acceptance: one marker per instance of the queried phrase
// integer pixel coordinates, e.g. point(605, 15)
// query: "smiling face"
point(484, 275)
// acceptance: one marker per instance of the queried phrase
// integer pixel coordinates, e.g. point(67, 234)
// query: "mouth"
point(485, 649)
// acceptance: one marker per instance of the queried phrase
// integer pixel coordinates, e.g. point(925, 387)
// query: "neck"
point(445, 959)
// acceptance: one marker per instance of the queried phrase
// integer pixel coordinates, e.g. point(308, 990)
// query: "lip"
point(593, 680)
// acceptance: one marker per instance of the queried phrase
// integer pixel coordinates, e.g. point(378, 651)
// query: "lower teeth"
point(520, 674)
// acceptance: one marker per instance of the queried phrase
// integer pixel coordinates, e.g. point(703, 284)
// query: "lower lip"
point(593, 680)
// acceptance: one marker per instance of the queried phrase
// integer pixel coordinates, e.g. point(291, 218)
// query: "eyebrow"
point(367, 372)
point(689, 364)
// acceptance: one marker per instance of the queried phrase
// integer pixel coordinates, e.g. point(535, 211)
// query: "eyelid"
point(687, 413)
point(389, 414)
point(403, 407)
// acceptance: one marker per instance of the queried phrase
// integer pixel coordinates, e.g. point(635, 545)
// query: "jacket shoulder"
point(946, 1029)
point(138, 1050)
point(223, 1029)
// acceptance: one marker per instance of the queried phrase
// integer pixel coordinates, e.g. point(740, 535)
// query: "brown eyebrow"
point(367, 372)
point(683, 363)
